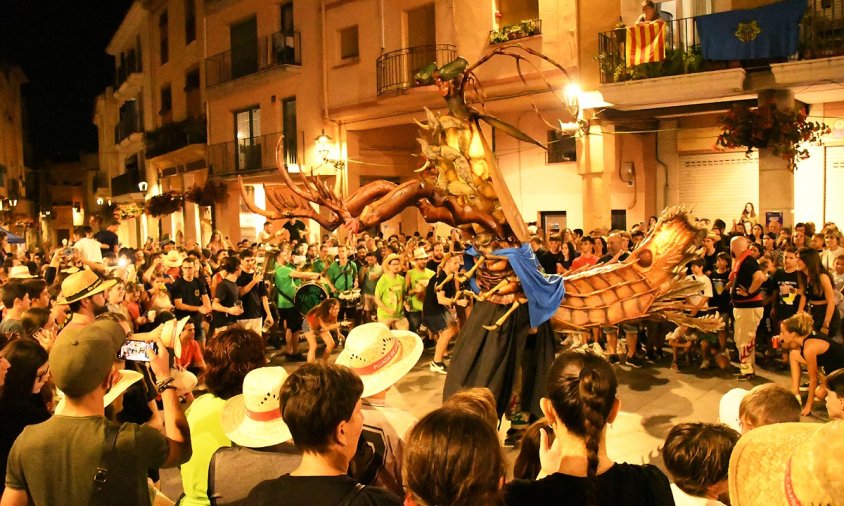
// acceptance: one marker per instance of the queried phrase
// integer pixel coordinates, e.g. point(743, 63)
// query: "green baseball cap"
point(81, 360)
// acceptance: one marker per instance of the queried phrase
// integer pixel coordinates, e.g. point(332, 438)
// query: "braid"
point(594, 420)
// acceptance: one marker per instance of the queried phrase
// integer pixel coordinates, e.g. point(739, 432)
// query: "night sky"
point(61, 45)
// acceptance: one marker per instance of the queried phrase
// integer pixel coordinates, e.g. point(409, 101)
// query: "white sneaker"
point(439, 368)
point(705, 365)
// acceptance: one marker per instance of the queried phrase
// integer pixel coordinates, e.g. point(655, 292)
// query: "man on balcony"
point(650, 14)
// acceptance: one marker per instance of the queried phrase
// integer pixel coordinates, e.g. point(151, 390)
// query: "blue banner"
point(766, 32)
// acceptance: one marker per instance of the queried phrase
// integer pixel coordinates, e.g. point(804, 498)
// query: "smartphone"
point(68, 252)
point(136, 350)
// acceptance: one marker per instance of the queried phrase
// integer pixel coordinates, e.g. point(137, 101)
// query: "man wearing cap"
point(84, 292)
point(416, 281)
point(79, 457)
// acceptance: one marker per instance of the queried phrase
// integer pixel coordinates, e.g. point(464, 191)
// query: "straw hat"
point(389, 258)
point(728, 408)
point(20, 272)
point(253, 418)
point(170, 332)
point(125, 379)
point(788, 463)
point(420, 254)
point(172, 259)
point(380, 356)
point(83, 284)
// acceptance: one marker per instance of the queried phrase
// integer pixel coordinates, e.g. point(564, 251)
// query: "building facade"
point(13, 198)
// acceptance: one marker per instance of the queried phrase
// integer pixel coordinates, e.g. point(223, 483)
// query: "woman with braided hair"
point(581, 403)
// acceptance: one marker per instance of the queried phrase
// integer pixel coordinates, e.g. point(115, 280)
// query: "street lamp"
point(323, 147)
point(143, 186)
point(13, 202)
point(100, 201)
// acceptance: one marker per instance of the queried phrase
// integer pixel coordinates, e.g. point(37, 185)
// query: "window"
point(166, 111)
point(244, 40)
point(247, 126)
point(511, 12)
point(561, 147)
point(349, 42)
point(164, 43)
point(193, 102)
point(190, 21)
point(618, 219)
point(288, 111)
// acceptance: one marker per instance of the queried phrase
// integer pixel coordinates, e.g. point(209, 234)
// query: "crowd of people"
point(116, 363)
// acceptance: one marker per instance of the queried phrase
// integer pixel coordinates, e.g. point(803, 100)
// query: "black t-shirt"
point(289, 490)
point(744, 278)
point(432, 264)
point(252, 307)
point(784, 285)
point(620, 485)
point(549, 261)
point(108, 238)
point(720, 294)
point(709, 260)
point(191, 293)
point(296, 229)
point(431, 306)
point(227, 295)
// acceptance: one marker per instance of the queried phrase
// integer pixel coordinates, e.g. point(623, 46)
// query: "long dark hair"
point(25, 356)
point(815, 268)
point(323, 309)
point(582, 386)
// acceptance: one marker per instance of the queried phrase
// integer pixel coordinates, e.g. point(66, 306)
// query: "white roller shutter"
point(719, 185)
point(834, 209)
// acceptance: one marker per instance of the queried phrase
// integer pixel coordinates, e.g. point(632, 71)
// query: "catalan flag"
point(645, 43)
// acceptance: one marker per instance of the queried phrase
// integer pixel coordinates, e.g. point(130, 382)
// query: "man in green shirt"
point(342, 276)
point(390, 294)
point(287, 280)
point(416, 281)
point(369, 277)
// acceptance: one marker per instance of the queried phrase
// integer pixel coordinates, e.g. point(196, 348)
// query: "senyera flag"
point(645, 43)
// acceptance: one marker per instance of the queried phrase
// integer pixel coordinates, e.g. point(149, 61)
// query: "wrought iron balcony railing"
point(173, 136)
point(395, 70)
point(243, 155)
point(276, 50)
point(131, 65)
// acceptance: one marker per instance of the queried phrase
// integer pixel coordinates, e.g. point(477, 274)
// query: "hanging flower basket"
point(127, 212)
point(782, 131)
point(165, 204)
point(23, 222)
point(207, 195)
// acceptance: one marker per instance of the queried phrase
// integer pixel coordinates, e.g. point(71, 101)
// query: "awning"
point(12, 238)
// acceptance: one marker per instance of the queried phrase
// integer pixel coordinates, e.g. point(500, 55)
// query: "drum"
point(308, 296)
point(349, 298)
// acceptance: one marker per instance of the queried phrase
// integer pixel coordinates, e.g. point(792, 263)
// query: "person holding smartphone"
point(226, 305)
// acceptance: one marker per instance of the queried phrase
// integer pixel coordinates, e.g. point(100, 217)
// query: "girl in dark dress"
point(21, 403)
point(575, 468)
point(817, 289)
point(821, 356)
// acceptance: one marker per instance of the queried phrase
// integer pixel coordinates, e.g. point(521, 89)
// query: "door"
point(421, 40)
point(244, 43)
point(719, 185)
point(248, 132)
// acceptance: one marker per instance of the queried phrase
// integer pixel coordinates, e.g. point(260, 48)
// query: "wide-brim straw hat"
point(728, 408)
point(126, 379)
point(83, 284)
point(420, 254)
point(380, 356)
point(789, 463)
point(389, 258)
point(20, 272)
point(253, 419)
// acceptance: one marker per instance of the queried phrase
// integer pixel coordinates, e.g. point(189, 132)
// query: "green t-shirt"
point(418, 283)
point(207, 436)
point(390, 289)
point(343, 277)
point(371, 275)
point(285, 284)
point(55, 461)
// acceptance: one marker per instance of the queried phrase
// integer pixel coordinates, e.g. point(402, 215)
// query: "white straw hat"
point(380, 356)
point(126, 379)
point(728, 408)
point(253, 418)
point(20, 272)
point(420, 254)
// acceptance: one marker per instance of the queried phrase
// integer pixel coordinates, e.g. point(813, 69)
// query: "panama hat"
point(389, 258)
point(83, 284)
point(20, 272)
point(380, 356)
point(788, 463)
point(126, 378)
point(170, 332)
point(420, 254)
point(172, 259)
point(253, 418)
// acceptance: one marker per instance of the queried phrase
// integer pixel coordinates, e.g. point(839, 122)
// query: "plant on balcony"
point(677, 61)
point(127, 212)
point(165, 204)
point(208, 194)
point(784, 132)
point(524, 28)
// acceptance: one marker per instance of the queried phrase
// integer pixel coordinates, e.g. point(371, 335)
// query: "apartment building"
point(12, 166)
point(152, 132)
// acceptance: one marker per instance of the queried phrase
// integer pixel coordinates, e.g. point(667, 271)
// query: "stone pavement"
point(653, 399)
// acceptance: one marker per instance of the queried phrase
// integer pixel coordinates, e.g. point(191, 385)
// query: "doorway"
point(552, 222)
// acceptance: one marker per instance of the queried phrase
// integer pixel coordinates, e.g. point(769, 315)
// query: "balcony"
point(821, 36)
point(126, 127)
point(173, 136)
point(131, 65)
point(395, 70)
point(231, 158)
point(525, 28)
point(125, 183)
point(275, 51)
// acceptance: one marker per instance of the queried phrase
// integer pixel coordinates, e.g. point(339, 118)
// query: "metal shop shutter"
point(719, 185)
point(834, 209)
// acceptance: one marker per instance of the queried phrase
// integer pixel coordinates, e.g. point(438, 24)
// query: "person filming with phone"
point(226, 304)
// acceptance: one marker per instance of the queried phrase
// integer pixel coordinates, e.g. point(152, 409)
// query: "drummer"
point(286, 280)
point(342, 276)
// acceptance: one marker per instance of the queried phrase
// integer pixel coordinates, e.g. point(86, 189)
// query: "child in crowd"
point(697, 456)
point(721, 295)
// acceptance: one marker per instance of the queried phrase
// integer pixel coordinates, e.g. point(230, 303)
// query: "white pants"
point(254, 324)
point(746, 322)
